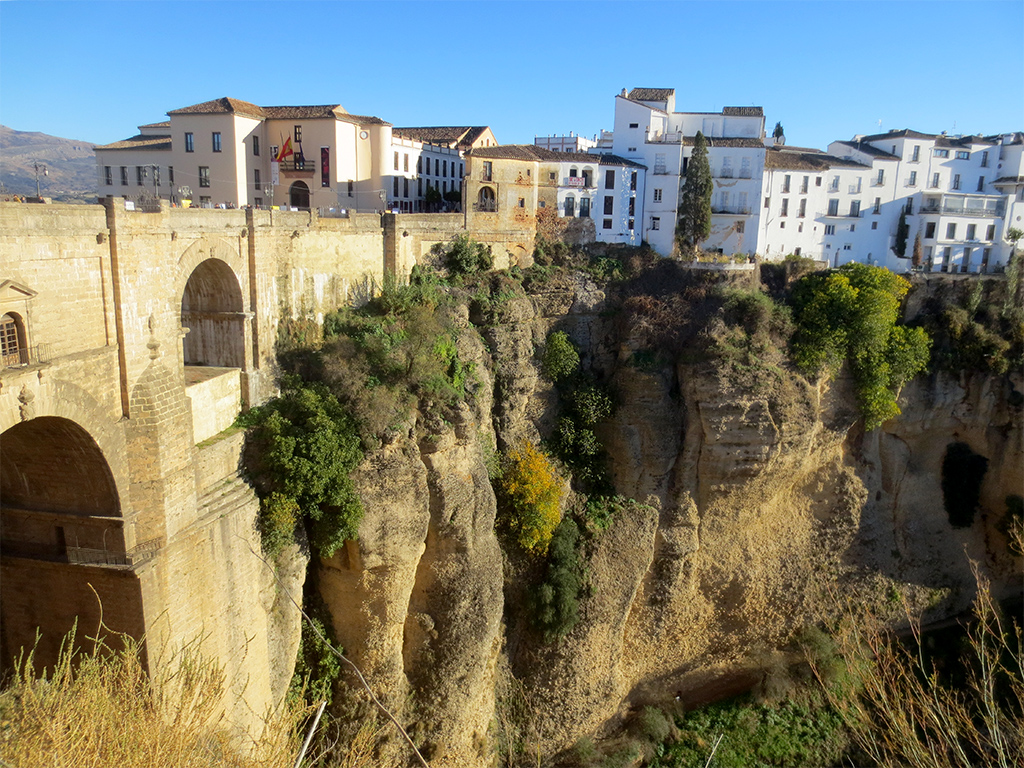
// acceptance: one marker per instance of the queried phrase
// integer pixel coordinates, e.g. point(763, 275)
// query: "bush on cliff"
point(555, 603)
point(300, 449)
point(851, 314)
point(532, 491)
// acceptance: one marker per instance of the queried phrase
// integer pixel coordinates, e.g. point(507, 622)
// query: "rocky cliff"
point(766, 506)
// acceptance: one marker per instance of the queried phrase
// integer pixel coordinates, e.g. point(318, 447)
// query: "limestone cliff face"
point(766, 506)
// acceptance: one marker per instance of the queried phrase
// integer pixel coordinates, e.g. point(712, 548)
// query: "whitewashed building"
point(649, 131)
point(426, 158)
point(570, 143)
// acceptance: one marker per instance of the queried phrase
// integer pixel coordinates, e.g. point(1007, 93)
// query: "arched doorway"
point(212, 310)
point(486, 200)
point(298, 195)
point(61, 537)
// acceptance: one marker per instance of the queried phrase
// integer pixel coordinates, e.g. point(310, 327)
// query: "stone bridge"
point(130, 342)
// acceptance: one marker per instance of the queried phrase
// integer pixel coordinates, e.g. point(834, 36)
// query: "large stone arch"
point(63, 551)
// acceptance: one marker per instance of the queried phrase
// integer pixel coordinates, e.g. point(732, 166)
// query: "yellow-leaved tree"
point(533, 491)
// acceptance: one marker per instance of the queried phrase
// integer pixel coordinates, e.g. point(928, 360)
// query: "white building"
point(570, 143)
point(427, 158)
point(649, 131)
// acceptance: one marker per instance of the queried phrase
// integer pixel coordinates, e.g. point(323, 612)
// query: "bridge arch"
point(61, 532)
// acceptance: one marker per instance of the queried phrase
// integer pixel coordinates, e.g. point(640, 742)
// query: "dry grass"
point(100, 708)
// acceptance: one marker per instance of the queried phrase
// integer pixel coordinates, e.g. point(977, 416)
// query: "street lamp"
point(184, 193)
point(40, 167)
point(269, 192)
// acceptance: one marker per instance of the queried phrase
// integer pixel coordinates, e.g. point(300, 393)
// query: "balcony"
point(725, 173)
point(660, 170)
point(671, 137)
point(486, 206)
point(963, 210)
point(731, 210)
point(297, 165)
point(38, 353)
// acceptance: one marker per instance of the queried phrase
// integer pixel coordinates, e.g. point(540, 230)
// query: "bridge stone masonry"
point(132, 340)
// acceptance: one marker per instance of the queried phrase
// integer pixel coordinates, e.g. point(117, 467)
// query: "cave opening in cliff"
point(963, 471)
point(62, 547)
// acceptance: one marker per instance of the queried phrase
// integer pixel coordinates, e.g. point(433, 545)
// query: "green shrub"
point(851, 314)
point(465, 256)
point(300, 449)
point(316, 667)
point(555, 603)
point(653, 725)
point(561, 359)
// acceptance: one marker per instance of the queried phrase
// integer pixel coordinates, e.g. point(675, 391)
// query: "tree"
point(915, 259)
point(778, 133)
point(902, 230)
point(695, 207)
point(1013, 234)
point(432, 197)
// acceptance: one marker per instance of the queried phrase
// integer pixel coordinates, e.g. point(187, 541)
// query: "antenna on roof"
point(879, 123)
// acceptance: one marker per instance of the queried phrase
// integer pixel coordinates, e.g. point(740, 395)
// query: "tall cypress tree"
point(902, 230)
point(695, 206)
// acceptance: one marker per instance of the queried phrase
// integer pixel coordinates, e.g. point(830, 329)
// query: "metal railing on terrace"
point(37, 353)
point(486, 206)
point(961, 210)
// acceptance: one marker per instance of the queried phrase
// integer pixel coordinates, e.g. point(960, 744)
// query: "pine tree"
point(695, 206)
point(902, 230)
point(917, 255)
point(778, 132)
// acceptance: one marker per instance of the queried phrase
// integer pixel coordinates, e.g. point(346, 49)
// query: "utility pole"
point(40, 167)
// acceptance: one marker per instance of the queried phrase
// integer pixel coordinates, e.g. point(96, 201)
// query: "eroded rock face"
point(766, 506)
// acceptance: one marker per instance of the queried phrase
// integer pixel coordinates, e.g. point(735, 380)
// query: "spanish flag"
point(286, 150)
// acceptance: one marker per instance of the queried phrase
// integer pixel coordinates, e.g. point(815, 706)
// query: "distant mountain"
point(71, 165)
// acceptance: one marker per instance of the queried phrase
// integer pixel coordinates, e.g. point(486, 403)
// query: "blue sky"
point(827, 70)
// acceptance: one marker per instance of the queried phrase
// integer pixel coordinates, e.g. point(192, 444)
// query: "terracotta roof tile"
point(650, 94)
point(867, 149)
point(743, 111)
point(223, 105)
point(1009, 180)
point(140, 142)
point(164, 124)
point(461, 136)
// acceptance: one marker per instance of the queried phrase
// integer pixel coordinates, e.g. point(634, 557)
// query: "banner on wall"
point(325, 166)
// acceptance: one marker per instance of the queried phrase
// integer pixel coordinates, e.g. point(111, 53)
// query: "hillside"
point(71, 164)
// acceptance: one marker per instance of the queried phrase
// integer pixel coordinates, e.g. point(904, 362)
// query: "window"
point(740, 227)
point(963, 155)
point(817, 181)
point(584, 207)
point(803, 208)
point(634, 125)
point(909, 208)
point(405, 162)
point(606, 224)
point(632, 206)
point(724, 205)
point(170, 174)
point(256, 179)
point(12, 345)
point(609, 203)
point(743, 203)
point(488, 169)
point(726, 167)
point(437, 166)
point(396, 161)
point(351, 187)
point(394, 186)
point(258, 202)
point(855, 207)
point(298, 134)
point(124, 176)
point(935, 181)
point(834, 186)
point(631, 149)
point(951, 231)
point(929, 230)
point(942, 153)
point(744, 167)
point(803, 185)
point(990, 233)
point(785, 207)
point(984, 159)
point(108, 176)
point(878, 206)
point(912, 181)
point(782, 225)
point(916, 156)
point(405, 187)
point(444, 168)
point(552, 176)
point(981, 183)
point(833, 207)
point(255, 146)
point(767, 202)
point(972, 231)
point(657, 195)
point(632, 181)
point(956, 181)
point(880, 180)
point(874, 225)
point(216, 141)
point(570, 206)
point(190, 145)
point(830, 229)
point(419, 165)
point(785, 188)
point(140, 174)
point(853, 227)
point(847, 247)
point(655, 222)
point(522, 202)
point(631, 225)
point(609, 179)
point(419, 186)
point(204, 176)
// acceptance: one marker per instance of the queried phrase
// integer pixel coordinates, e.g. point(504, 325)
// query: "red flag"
point(286, 150)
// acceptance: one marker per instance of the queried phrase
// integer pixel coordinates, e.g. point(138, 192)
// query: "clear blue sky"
point(827, 70)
